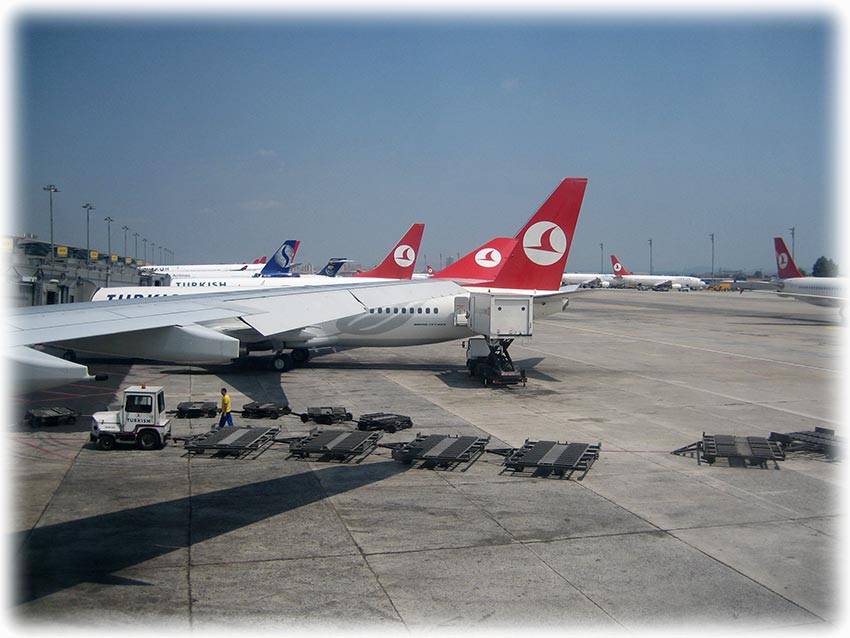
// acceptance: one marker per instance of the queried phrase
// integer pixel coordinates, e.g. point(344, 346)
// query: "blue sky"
point(221, 138)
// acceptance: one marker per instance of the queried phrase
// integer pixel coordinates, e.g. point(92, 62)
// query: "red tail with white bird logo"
point(543, 244)
point(619, 268)
point(785, 266)
point(481, 265)
point(400, 262)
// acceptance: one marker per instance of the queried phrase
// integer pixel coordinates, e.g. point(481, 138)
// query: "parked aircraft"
point(397, 265)
point(254, 266)
point(280, 265)
point(588, 280)
point(655, 282)
point(820, 291)
point(220, 326)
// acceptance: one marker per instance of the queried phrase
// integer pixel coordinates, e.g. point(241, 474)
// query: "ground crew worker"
point(225, 409)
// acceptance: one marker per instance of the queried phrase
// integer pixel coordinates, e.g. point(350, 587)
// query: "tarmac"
point(645, 541)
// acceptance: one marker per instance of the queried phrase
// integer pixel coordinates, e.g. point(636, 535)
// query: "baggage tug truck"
point(141, 420)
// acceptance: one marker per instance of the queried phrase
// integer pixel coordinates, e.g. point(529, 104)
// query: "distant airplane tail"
point(333, 266)
point(281, 262)
point(619, 268)
point(481, 265)
point(785, 266)
point(429, 269)
point(542, 246)
point(401, 260)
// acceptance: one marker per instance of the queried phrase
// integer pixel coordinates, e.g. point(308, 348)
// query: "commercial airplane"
point(255, 266)
point(820, 291)
point(655, 282)
point(220, 326)
point(398, 264)
point(588, 280)
point(280, 265)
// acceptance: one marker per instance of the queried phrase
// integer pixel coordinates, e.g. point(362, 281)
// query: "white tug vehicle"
point(140, 421)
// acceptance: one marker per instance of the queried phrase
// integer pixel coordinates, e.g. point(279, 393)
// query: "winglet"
point(785, 266)
point(619, 268)
point(401, 260)
point(543, 244)
point(281, 261)
point(482, 264)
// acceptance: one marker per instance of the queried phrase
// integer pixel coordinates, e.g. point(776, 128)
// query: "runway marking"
point(686, 386)
point(678, 345)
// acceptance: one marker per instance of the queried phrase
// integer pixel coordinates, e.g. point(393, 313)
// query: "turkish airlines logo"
point(404, 255)
point(544, 243)
point(488, 258)
point(783, 260)
point(618, 267)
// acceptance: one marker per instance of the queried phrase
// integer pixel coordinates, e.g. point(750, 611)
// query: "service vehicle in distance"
point(141, 420)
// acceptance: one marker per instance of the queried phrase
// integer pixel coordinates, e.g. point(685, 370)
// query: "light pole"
point(712, 254)
point(109, 221)
point(153, 252)
point(145, 247)
point(125, 229)
point(50, 188)
point(650, 256)
point(89, 208)
point(792, 229)
point(160, 255)
point(136, 251)
point(601, 260)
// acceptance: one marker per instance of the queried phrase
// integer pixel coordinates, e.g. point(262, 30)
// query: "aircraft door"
point(461, 314)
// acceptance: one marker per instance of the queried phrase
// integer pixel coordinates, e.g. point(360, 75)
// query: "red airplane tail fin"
point(481, 265)
point(785, 266)
point(619, 268)
point(543, 244)
point(401, 260)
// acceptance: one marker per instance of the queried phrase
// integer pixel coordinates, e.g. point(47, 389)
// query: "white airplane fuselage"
point(649, 281)
point(819, 291)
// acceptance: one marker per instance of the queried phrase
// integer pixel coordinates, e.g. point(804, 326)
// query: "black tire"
point(349, 416)
point(106, 442)
point(147, 440)
point(305, 418)
point(282, 363)
point(211, 414)
point(391, 429)
point(300, 356)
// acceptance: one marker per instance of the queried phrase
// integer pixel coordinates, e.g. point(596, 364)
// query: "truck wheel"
point(305, 418)
point(148, 440)
point(106, 442)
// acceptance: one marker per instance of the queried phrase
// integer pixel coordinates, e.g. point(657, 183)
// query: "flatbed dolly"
point(326, 415)
point(259, 410)
point(50, 416)
point(196, 409)
point(384, 421)
point(341, 445)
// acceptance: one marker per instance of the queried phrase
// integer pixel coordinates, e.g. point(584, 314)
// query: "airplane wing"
point(173, 328)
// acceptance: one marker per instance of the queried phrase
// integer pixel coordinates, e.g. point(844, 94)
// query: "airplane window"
point(380, 310)
point(436, 310)
point(395, 311)
point(404, 311)
point(427, 311)
point(419, 310)
point(371, 311)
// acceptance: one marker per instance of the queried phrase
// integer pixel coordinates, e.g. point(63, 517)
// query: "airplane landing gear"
point(282, 362)
point(300, 356)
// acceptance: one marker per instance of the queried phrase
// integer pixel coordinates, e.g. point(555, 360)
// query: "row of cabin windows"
point(404, 311)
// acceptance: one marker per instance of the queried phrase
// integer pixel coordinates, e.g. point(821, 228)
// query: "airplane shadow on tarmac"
point(93, 549)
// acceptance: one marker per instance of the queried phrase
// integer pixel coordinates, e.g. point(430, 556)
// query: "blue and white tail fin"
point(333, 266)
point(282, 260)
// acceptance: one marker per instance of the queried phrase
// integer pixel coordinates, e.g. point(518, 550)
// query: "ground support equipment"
point(740, 451)
point(819, 440)
point(258, 410)
point(551, 457)
point(229, 441)
point(341, 445)
point(384, 421)
point(196, 409)
point(440, 450)
point(50, 416)
point(326, 415)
